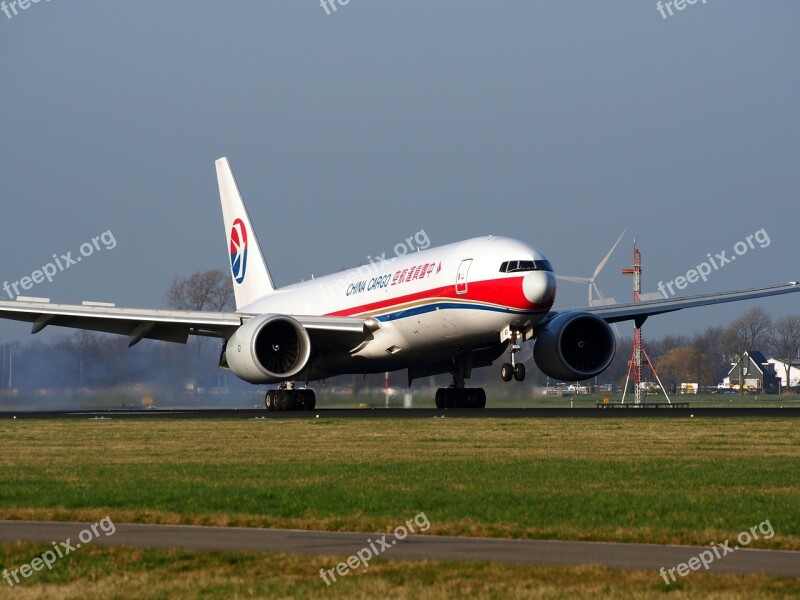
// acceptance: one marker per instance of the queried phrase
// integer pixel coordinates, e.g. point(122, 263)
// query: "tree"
point(204, 290)
point(785, 341)
point(749, 332)
point(711, 358)
point(657, 348)
point(682, 363)
point(619, 366)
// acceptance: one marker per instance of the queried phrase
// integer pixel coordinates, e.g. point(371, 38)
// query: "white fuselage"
point(429, 304)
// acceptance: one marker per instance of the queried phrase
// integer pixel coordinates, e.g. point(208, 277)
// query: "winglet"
point(249, 272)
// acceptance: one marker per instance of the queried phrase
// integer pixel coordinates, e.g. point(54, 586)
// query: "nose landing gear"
point(513, 370)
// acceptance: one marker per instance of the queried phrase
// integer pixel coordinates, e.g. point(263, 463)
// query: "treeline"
point(86, 360)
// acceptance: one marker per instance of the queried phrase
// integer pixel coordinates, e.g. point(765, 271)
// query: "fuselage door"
point(461, 278)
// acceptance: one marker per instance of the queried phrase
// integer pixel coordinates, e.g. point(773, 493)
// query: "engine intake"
point(268, 349)
point(574, 346)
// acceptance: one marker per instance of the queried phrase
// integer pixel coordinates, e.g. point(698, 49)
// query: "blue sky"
point(556, 123)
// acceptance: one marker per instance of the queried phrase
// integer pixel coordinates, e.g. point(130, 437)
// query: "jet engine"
point(574, 346)
point(268, 349)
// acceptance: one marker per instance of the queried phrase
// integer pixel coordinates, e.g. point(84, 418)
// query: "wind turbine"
point(591, 281)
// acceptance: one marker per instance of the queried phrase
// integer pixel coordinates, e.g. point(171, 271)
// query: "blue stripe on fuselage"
point(420, 310)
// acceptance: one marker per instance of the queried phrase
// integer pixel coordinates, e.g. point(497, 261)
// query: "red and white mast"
point(635, 363)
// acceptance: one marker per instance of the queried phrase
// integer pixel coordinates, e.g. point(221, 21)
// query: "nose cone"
point(539, 287)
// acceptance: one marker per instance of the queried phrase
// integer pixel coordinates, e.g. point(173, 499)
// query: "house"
point(758, 373)
point(780, 371)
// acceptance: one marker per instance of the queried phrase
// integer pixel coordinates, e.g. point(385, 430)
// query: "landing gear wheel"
point(297, 401)
point(309, 399)
point(460, 398)
point(474, 396)
point(290, 400)
point(519, 372)
point(281, 400)
point(506, 372)
point(447, 398)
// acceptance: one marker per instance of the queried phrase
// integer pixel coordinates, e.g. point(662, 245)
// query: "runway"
point(410, 413)
point(414, 547)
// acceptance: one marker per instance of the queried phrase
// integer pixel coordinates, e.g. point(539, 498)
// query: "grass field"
point(688, 481)
point(124, 573)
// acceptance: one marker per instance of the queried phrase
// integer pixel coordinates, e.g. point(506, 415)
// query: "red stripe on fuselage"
point(506, 292)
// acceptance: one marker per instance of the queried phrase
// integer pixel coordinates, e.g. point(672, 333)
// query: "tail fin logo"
point(238, 250)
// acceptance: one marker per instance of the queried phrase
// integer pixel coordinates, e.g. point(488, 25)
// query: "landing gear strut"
point(288, 398)
point(513, 370)
point(458, 396)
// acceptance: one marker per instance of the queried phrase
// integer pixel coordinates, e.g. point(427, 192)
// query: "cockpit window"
point(516, 266)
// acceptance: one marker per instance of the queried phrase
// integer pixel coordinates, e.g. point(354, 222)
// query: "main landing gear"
point(513, 370)
point(458, 396)
point(288, 398)
point(451, 397)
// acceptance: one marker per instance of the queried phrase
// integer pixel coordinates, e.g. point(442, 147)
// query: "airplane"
point(449, 309)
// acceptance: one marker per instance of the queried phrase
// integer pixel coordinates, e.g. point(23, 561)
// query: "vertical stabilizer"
point(249, 271)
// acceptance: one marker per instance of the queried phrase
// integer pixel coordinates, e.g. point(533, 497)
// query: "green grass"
point(646, 480)
point(95, 572)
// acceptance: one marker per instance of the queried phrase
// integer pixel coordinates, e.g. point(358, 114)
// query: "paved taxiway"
point(400, 413)
point(416, 547)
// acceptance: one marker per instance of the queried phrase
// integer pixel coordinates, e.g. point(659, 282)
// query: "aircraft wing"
point(174, 325)
point(639, 311)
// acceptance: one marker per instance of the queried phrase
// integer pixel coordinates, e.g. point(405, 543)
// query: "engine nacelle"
point(574, 346)
point(268, 349)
